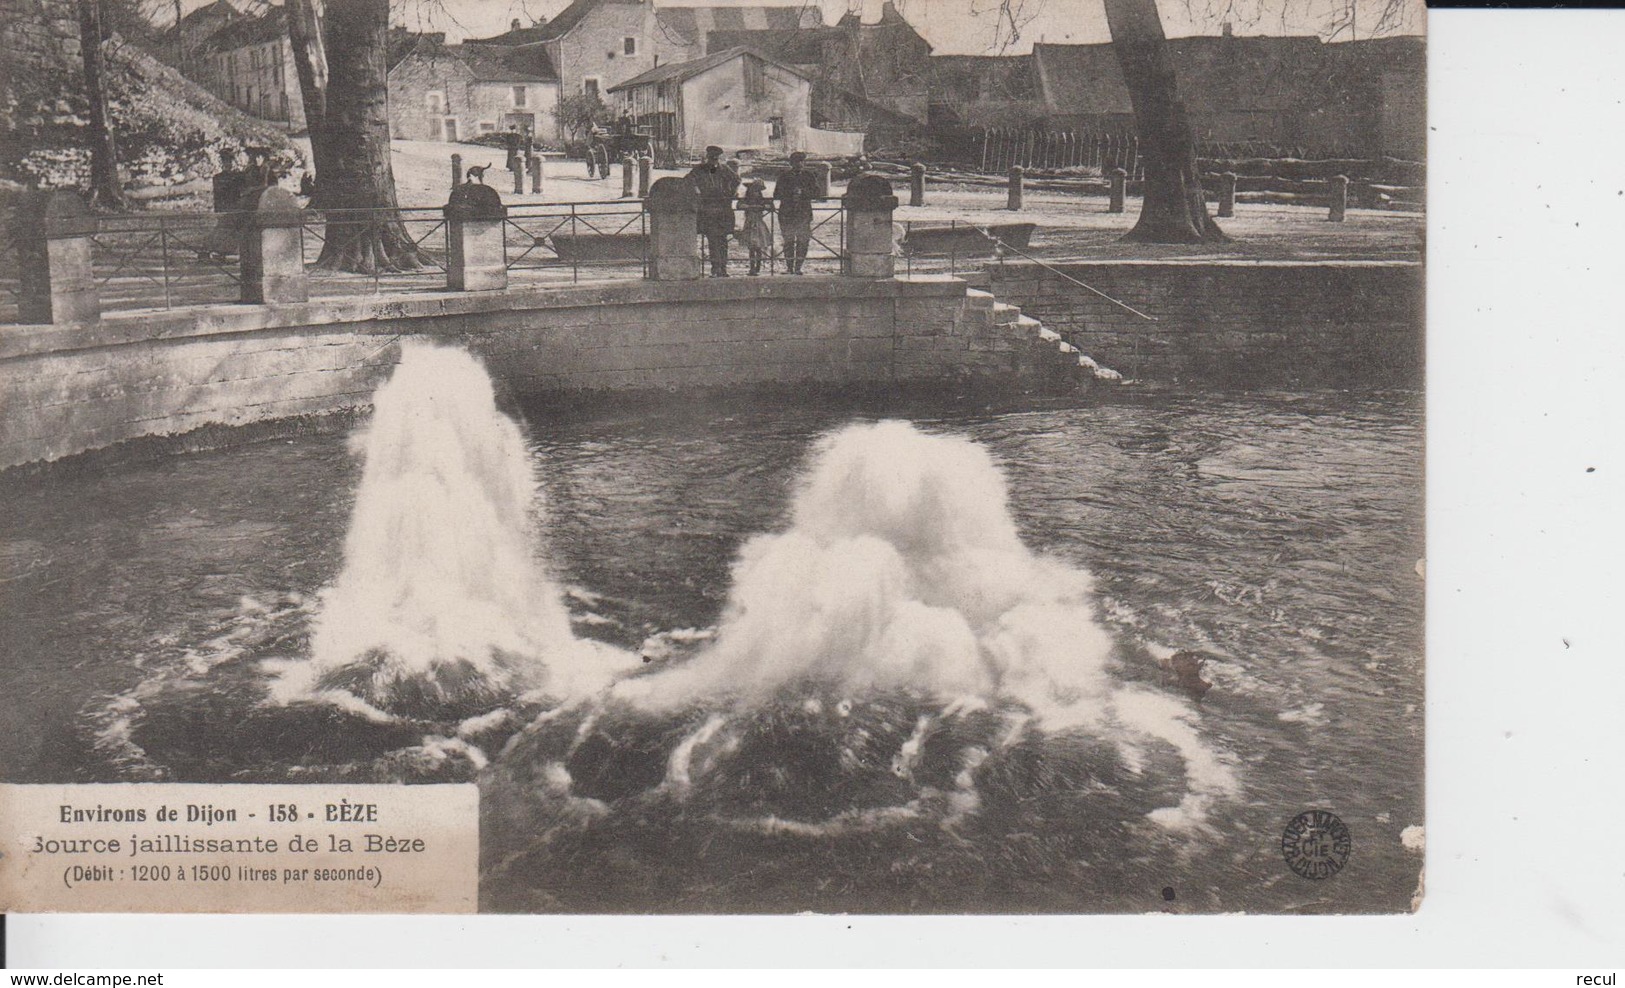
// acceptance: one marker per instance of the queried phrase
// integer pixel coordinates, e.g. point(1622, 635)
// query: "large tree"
point(1173, 209)
point(353, 171)
point(105, 188)
point(309, 59)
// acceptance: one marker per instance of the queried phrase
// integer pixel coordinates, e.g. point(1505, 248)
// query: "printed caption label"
point(160, 847)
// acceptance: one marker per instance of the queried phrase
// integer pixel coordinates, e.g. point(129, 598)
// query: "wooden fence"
point(1002, 148)
point(996, 149)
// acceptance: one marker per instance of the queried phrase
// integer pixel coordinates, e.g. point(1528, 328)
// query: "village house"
point(441, 92)
point(594, 45)
point(736, 98)
point(249, 64)
point(879, 72)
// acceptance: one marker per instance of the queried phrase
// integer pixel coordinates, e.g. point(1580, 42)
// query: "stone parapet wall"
point(75, 388)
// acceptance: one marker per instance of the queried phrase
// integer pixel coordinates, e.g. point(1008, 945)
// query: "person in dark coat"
point(716, 184)
point(794, 192)
point(510, 141)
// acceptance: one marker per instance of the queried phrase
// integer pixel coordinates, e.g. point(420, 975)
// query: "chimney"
point(1229, 30)
point(514, 26)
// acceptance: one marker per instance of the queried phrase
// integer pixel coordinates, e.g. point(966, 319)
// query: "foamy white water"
point(902, 569)
point(441, 592)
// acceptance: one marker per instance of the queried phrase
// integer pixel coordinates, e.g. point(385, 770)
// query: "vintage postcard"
point(746, 456)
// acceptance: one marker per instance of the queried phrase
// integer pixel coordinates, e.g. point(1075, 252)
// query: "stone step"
point(1010, 323)
point(979, 299)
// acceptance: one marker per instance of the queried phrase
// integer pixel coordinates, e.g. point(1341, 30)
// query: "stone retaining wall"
point(74, 388)
point(1235, 323)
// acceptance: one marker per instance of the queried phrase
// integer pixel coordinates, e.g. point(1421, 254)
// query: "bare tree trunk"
point(105, 189)
point(355, 133)
point(1173, 210)
point(180, 42)
point(309, 61)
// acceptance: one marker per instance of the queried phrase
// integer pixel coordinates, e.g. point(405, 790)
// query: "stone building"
point(736, 98)
point(249, 64)
point(441, 92)
point(594, 45)
point(886, 65)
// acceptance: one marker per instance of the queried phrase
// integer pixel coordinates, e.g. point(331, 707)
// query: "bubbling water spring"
point(893, 650)
point(441, 602)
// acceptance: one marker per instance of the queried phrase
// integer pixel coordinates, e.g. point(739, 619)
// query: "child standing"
point(755, 234)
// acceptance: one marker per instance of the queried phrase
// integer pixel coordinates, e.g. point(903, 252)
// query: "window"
point(629, 46)
point(435, 102)
point(487, 127)
point(519, 94)
point(590, 85)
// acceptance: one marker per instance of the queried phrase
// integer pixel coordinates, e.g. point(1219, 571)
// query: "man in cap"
point(716, 184)
point(795, 191)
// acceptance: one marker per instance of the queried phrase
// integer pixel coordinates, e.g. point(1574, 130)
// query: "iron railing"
point(826, 246)
point(954, 246)
point(554, 242)
point(167, 260)
point(10, 286)
point(163, 260)
point(371, 251)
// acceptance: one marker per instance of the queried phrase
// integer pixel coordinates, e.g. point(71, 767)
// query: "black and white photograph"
point(893, 457)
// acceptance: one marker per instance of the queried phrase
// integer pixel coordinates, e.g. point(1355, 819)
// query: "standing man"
point(510, 140)
point(794, 192)
point(716, 184)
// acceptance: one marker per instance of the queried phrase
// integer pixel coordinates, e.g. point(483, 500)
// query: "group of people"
point(793, 195)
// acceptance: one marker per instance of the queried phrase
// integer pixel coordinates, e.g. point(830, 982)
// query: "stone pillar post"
point(1119, 190)
point(1227, 194)
point(628, 170)
point(271, 253)
point(534, 166)
point(674, 246)
point(820, 170)
point(456, 170)
point(1340, 198)
point(646, 167)
point(518, 179)
point(52, 232)
point(868, 208)
point(916, 184)
point(1017, 180)
point(475, 258)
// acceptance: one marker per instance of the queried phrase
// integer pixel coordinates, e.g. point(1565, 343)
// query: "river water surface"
point(150, 610)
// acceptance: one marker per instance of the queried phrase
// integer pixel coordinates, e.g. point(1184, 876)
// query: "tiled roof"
point(558, 27)
point(796, 46)
point(490, 63)
point(687, 70)
point(487, 63)
point(1254, 73)
point(247, 31)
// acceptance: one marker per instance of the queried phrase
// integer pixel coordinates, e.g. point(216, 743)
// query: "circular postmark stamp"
point(1316, 844)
